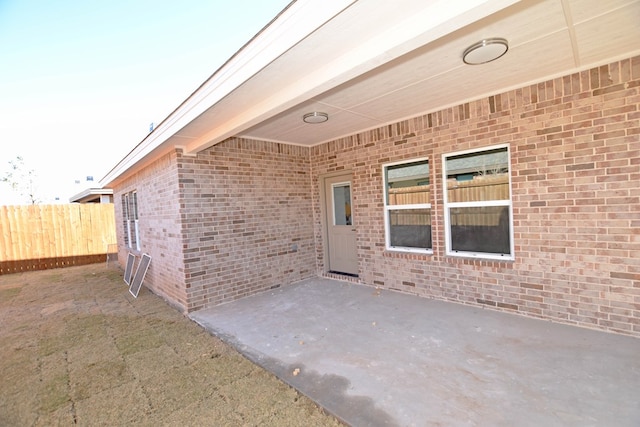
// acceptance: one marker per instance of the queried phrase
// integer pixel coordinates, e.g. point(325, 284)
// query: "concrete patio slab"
point(375, 357)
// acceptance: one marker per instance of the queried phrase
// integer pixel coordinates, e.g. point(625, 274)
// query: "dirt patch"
point(77, 348)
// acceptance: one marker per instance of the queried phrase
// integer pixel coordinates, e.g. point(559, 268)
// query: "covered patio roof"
point(370, 63)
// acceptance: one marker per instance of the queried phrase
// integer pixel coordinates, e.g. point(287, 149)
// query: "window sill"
point(401, 253)
point(481, 256)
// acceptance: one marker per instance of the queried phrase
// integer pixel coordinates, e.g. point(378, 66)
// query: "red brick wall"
point(160, 234)
point(246, 220)
point(575, 170)
point(230, 222)
point(244, 216)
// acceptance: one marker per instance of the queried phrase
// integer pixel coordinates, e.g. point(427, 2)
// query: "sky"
point(81, 81)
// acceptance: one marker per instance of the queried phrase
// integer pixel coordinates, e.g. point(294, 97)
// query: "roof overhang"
point(90, 195)
point(369, 63)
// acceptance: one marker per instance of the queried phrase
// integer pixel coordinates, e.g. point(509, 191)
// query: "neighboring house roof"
point(487, 162)
point(372, 63)
point(91, 195)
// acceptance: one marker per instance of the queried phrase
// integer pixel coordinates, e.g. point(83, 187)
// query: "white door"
point(341, 231)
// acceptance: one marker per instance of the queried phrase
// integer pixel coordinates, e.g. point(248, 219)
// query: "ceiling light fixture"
point(484, 51)
point(315, 117)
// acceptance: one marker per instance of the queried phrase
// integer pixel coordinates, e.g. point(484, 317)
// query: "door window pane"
point(342, 204)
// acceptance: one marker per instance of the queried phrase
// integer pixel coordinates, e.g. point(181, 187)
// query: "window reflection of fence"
point(484, 188)
point(478, 189)
point(415, 195)
point(410, 217)
point(490, 216)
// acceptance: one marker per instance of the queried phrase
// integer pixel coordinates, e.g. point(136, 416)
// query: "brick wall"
point(246, 220)
point(575, 170)
point(160, 233)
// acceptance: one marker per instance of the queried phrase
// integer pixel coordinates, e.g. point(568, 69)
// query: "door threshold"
point(343, 274)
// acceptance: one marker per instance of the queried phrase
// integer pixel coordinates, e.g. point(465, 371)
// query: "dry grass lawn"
point(77, 348)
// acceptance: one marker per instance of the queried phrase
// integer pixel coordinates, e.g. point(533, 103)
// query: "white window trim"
point(448, 206)
point(127, 219)
point(387, 208)
point(129, 201)
point(134, 194)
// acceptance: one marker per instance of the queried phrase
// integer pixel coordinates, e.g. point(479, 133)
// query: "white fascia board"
point(300, 19)
point(434, 20)
point(90, 192)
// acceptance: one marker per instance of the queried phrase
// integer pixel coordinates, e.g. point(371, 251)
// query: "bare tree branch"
point(21, 180)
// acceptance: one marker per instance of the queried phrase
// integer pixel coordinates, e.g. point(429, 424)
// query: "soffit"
point(547, 39)
point(366, 35)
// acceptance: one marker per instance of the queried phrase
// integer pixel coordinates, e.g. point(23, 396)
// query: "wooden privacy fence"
point(39, 237)
point(490, 187)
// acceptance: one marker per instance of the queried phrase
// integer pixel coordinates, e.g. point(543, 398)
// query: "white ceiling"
point(546, 38)
point(368, 63)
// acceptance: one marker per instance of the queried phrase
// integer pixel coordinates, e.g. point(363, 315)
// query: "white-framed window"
point(477, 203)
point(125, 220)
point(134, 219)
point(407, 207)
point(130, 220)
